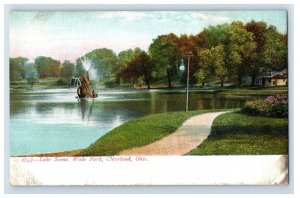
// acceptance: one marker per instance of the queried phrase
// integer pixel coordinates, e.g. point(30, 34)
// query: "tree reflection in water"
point(86, 106)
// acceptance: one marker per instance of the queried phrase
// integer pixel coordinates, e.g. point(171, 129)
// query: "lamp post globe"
point(181, 67)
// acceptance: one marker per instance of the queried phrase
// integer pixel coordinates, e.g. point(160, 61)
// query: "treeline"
point(234, 52)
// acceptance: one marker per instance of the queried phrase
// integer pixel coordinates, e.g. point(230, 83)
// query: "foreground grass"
point(239, 134)
point(138, 132)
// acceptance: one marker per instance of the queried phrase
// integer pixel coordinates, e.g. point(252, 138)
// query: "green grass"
point(264, 91)
point(40, 84)
point(240, 134)
point(138, 132)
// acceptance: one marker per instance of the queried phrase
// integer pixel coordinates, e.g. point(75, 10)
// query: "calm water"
point(54, 120)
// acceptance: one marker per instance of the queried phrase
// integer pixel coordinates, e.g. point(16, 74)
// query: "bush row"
point(272, 106)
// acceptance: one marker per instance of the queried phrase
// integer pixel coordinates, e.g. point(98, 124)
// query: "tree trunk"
point(253, 78)
point(240, 79)
point(222, 83)
point(69, 82)
point(203, 83)
point(169, 79)
point(148, 84)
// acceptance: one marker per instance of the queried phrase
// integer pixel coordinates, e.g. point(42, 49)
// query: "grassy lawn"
point(44, 84)
point(264, 91)
point(239, 134)
point(138, 132)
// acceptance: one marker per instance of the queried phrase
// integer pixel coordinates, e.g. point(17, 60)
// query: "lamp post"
point(181, 67)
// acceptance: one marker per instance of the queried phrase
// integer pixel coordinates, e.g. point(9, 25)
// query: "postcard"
point(148, 97)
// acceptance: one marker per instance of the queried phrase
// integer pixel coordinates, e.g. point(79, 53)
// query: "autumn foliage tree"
point(187, 45)
point(141, 66)
point(271, 51)
point(123, 59)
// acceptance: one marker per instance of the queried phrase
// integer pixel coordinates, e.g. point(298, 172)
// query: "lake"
point(53, 120)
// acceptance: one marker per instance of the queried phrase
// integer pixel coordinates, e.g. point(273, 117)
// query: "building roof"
point(279, 76)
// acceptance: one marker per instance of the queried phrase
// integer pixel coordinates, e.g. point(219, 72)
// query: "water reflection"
point(86, 106)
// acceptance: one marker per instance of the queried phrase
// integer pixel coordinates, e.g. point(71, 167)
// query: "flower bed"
point(272, 106)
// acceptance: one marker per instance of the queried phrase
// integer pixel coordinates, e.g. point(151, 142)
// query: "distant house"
point(273, 79)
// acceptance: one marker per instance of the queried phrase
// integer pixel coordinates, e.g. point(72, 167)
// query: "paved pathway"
point(187, 137)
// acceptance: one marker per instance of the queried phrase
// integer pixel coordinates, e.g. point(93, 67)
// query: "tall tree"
point(17, 68)
point(31, 75)
point(125, 56)
point(104, 61)
point(271, 51)
point(141, 66)
point(67, 72)
point(201, 75)
point(238, 46)
point(146, 67)
point(275, 50)
point(219, 63)
point(129, 72)
point(47, 67)
point(188, 45)
point(212, 61)
point(240, 49)
point(79, 69)
point(164, 53)
point(257, 64)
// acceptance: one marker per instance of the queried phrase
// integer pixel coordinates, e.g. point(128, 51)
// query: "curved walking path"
point(187, 137)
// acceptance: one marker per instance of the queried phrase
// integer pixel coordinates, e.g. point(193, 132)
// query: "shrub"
point(272, 106)
point(59, 82)
point(111, 83)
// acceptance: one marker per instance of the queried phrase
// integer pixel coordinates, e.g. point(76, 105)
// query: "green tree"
point(240, 49)
point(212, 62)
point(17, 69)
point(79, 69)
point(31, 79)
point(238, 44)
point(201, 75)
point(47, 67)
point(30, 74)
point(275, 50)
point(164, 53)
point(219, 62)
point(67, 72)
point(104, 61)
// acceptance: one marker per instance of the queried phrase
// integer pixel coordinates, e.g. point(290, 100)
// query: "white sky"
point(69, 34)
